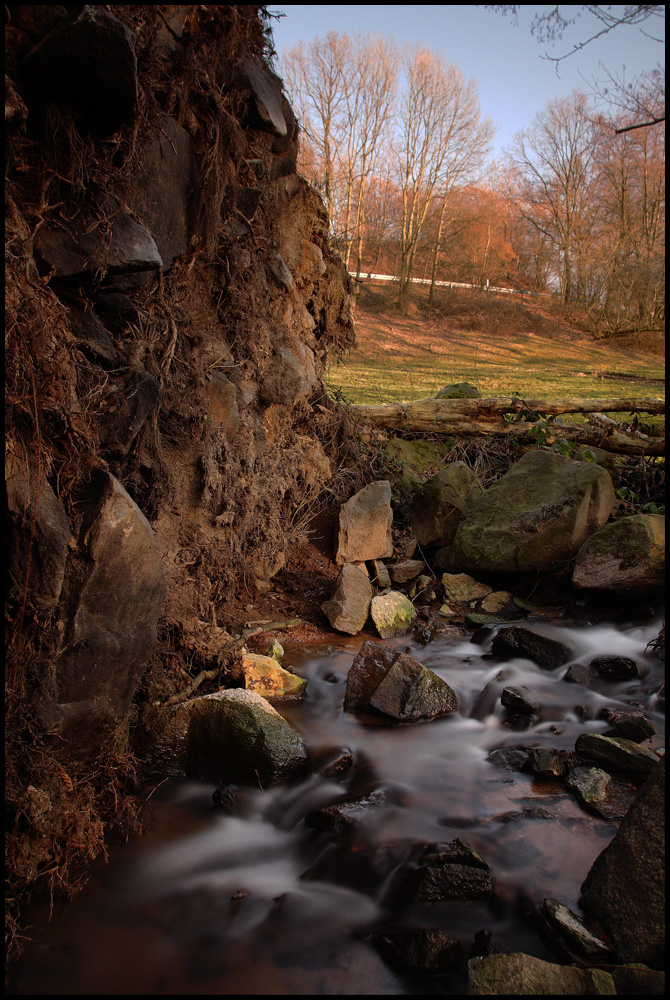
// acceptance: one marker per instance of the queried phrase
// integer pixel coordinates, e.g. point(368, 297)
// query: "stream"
point(255, 901)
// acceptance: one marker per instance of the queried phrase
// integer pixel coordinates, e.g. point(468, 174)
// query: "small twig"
point(204, 675)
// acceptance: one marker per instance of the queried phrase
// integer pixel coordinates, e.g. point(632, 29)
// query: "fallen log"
point(485, 418)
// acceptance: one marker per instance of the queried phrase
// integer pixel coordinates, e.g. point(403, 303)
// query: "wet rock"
point(127, 411)
point(39, 535)
point(406, 570)
point(633, 726)
point(454, 852)
point(392, 613)
point(625, 889)
point(617, 753)
point(595, 790)
point(475, 619)
point(365, 525)
point(441, 504)
point(487, 699)
point(88, 63)
point(579, 673)
point(396, 685)
point(517, 700)
point(442, 882)
point(550, 764)
point(459, 390)
point(227, 797)
point(625, 557)
point(528, 812)
point(230, 736)
point(116, 597)
point(349, 607)
point(337, 764)
point(615, 667)
point(516, 640)
point(524, 975)
point(537, 515)
point(345, 816)
point(263, 675)
point(426, 950)
point(568, 935)
point(461, 587)
point(511, 758)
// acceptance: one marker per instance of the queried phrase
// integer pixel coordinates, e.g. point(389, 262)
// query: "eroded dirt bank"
point(170, 302)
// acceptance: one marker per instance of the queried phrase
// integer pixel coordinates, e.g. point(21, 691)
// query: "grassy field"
point(502, 344)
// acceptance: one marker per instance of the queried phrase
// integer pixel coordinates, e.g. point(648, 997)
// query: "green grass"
point(503, 347)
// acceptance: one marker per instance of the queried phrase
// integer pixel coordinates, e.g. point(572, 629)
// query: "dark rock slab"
point(523, 975)
point(344, 816)
point(511, 758)
point(517, 640)
point(616, 668)
point(550, 763)
point(396, 685)
point(88, 63)
point(633, 726)
point(625, 888)
point(116, 311)
point(449, 882)
point(92, 337)
point(129, 407)
point(266, 89)
point(39, 535)
point(116, 597)
point(580, 673)
point(617, 753)
point(567, 934)
point(80, 248)
point(517, 699)
point(426, 950)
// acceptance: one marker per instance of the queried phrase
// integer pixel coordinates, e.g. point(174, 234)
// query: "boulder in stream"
point(598, 793)
point(427, 950)
point(396, 685)
point(441, 504)
point(517, 640)
point(523, 975)
point(617, 753)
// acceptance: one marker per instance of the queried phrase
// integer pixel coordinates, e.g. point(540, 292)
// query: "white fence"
point(446, 284)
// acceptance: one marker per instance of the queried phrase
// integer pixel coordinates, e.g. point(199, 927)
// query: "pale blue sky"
point(514, 81)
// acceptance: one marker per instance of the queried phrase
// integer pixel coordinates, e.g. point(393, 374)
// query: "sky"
point(515, 82)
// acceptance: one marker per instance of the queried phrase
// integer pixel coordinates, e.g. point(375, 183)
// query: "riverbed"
point(249, 899)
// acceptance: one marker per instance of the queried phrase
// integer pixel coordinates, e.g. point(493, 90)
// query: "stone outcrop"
point(441, 504)
point(536, 517)
point(625, 557)
point(349, 607)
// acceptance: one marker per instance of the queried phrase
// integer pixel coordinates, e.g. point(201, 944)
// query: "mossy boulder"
point(441, 504)
point(625, 557)
point(392, 613)
point(535, 518)
point(459, 390)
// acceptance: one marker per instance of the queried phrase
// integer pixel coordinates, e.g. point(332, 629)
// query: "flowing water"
point(254, 901)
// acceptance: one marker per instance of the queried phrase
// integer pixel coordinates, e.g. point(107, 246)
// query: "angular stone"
point(496, 602)
point(595, 790)
point(345, 816)
point(396, 685)
point(536, 516)
point(349, 607)
point(116, 311)
point(524, 975)
point(617, 753)
point(461, 587)
point(365, 525)
point(167, 183)
point(633, 726)
point(426, 950)
point(79, 250)
point(406, 570)
point(517, 640)
point(551, 764)
point(639, 979)
point(40, 533)
point(450, 882)
point(230, 736)
point(289, 376)
point(113, 629)
point(615, 667)
point(625, 557)
point(441, 504)
point(625, 888)
point(381, 575)
point(263, 675)
point(92, 337)
point(572, 934)
point(127, 411)
point(392, 613)
point(279, 271)
point(518, 700)
point(88, 63)
point(266, 90)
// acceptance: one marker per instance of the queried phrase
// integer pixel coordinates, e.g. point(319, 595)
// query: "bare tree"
point(442, 139)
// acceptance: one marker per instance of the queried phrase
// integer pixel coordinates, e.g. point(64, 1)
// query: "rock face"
point(349, 607)
point(624, 889)
point(231, 736)
point(625, 557)
point(523, 975)
point(442, 503)
point(538, 515)
point(396, 685)
point(365, 525)
point(116, 597)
